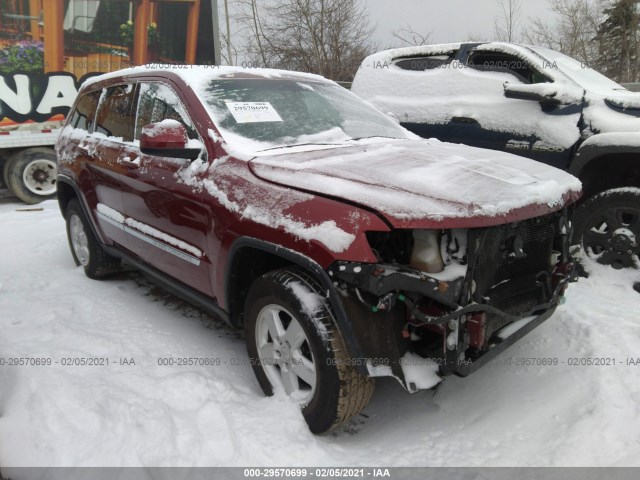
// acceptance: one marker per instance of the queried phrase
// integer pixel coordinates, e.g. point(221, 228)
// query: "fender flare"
point(61, 178)
point(589, 152)
point(342, 319)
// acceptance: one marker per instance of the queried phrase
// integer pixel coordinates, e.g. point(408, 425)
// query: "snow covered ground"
point(153, 415)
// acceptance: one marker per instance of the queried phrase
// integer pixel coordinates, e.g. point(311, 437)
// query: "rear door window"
point(116, 112)
point(420, 63)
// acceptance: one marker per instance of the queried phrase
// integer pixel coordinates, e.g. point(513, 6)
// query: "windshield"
point(577, 71)
point(261, 114)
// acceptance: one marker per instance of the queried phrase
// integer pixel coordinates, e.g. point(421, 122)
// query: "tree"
point(251, 28)
point(574, 33)
point(328, 37)
point(227, 36)
point(408, 36)
point(507, 24)
point(619, 41)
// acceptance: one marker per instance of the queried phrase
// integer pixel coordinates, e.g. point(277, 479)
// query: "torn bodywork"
point(486, 288)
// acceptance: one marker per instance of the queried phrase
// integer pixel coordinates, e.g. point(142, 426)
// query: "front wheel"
point(295, 347)
point(31, 174)
point(608, 227)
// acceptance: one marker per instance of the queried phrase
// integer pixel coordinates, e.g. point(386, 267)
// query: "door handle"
point(130, 161)
point(83, 150)
point(464, 120)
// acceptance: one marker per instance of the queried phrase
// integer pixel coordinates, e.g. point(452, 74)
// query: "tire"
point(607, 225)
point(31, 174)
point(290, 302)
point(5, 172)
point(85, 248)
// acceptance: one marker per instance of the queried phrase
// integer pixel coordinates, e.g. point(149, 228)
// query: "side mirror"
point(167, 138)
point(545, 93)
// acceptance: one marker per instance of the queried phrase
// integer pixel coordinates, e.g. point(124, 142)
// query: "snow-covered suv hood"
point(623, 100)
point(425, 183)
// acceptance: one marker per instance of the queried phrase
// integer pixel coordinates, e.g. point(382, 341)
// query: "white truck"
point(28, 161)
point(33, 105)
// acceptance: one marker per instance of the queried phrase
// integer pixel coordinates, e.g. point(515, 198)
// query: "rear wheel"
point(295, 347)
point(608, 225)
point(31, 174)
point(85, 248)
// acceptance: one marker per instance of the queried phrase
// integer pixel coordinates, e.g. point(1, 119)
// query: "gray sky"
point(450, 20)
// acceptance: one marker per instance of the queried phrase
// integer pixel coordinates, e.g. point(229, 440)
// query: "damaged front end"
point(454, 298)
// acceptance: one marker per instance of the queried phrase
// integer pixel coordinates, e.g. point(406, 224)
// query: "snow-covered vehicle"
point(533, 102)
point(346, 247)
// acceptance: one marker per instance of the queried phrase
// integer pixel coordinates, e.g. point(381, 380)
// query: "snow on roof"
point(376, 59)
point(195, 75)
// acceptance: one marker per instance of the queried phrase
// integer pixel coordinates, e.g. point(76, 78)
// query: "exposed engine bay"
point(461, 296)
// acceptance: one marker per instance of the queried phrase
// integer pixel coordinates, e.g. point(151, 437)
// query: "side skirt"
point(171, 285)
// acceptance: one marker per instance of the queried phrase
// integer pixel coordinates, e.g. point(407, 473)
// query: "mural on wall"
point(48, 47)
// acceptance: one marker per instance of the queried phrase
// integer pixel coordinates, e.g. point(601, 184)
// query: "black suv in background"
point(533, 102)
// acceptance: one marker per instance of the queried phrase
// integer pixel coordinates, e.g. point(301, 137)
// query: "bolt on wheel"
point(79, 240)
point(284, 351)
point(39, 177)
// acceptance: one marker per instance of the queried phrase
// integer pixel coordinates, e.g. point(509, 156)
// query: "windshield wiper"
point(374, 136)
point(298, 145)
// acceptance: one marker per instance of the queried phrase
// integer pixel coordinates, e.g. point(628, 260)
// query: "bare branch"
point(408, 36)
point(506, 26)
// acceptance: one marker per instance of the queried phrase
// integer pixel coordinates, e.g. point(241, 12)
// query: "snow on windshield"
point(257, 114)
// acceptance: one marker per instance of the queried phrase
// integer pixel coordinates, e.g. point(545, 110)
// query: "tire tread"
point(356, 390)
point(351, 390)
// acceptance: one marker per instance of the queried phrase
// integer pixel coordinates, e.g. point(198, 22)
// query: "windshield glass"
point(577, 71)
point(260, 114)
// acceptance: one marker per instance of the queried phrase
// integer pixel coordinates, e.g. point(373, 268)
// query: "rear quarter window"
point(84, 113)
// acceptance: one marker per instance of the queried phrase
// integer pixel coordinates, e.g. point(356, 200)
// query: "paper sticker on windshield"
point(253, 112)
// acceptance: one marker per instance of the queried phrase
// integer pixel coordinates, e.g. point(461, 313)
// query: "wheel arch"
point(68, 190)
point(622, 168)
point(249, 258)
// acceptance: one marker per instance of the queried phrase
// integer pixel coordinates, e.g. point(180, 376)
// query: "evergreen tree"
point(618, 37)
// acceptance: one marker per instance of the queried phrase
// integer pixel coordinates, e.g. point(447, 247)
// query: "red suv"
point(345, 247)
